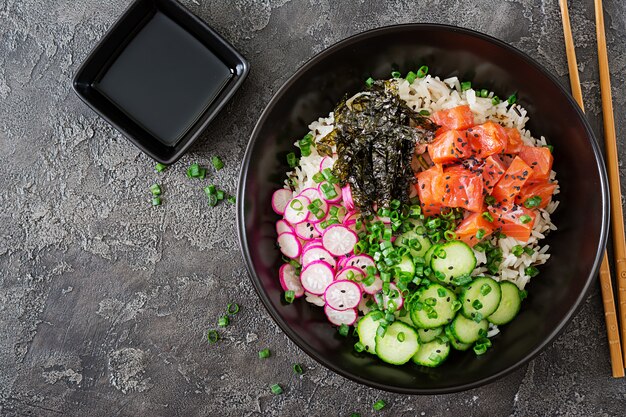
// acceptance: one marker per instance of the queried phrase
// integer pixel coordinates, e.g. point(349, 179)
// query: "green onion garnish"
point(217, 163)
point(318, 177)
point(160, 167)
point(297, 368)
point(484, 93)
point(396, 74)
point(480, 233)
point(231, 199)
point(213, 336)
point(529, 251)
point(292, 160)
point(156, 201)
point(441, 292)
point(155, 189)
point(220, 195)
point(477, 305)
point(523, 294)
point(213, 200)
point(369, 82)
point(232, 308)
point(495, 100)
point(264, 354)
point(490, 200)
point(487, 216)
point(355, 415)
point(532, 202)
point(422, 71)
point(223, 321)
point(379, 405)
point(512, 98)
point(276, 389)
point(525, 218)
point(359, 347)
point(410, 77)
point(401, 337)
point(296, 205)
point(517, 250)
point(531, 271)
point(290, 295)
point(550, 148)
point(424, 112)
point(343, 330)
point(485, 289)
point(466, 85)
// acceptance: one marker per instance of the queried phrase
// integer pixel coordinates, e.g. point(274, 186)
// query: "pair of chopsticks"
point(618, 357)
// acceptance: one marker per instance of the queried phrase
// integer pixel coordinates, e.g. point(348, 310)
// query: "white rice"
point(433, 94)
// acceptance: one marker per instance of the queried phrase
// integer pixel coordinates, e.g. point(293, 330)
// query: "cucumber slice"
point(458, 260)
point(433, 307)
point(468, 331)
point(428, 335)
point(510, 304)
point(454, 342)
point(395, 349)
point(366, 328)
point(433, 353)
point(423, 243)
point(404, 319)
point(480, 296)
point(428, 256)
point(406, 265)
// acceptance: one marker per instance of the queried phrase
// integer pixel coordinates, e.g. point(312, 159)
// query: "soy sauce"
point(164, 79)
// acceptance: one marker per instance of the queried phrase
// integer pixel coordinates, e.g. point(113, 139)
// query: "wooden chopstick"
point(610, 144)
point(615, 350)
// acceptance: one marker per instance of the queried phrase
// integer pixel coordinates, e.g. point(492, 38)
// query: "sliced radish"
point(362, 307)
point(350, 272)
point(289, 245)
point(318, 254)
point(280, 199)
point(313, 195)
point(374, 287)
point(306, 231)
point(337, 192)
point(398, 300)
point(361, 261)
point(352, 216)
point(385, 220)
point(326, 162)
point(289, 280)
point(282, 226)
point(297, 211)
point(339, 240)
point(346, 194)
point(314, 243)
point(316, 277)
point(314, 299)
point(337, 317)
point(341, 262)
point(343, 294)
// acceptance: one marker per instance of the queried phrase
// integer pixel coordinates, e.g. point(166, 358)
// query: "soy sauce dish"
point(436, 173)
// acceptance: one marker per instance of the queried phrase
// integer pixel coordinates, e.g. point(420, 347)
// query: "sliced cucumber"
point(454, 342)
point(510, 304)
point(480, 296)
point(468, 331)
point(422, 246)
point(404, 319)
point(428, 335)
point(428, 256)
point(366, 328)
point(451, 260)
point(433, 353)
point(406, 265)
point(398, 345)
point(433, 307)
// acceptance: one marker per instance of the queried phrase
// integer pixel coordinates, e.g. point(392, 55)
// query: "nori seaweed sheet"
point(376, 133)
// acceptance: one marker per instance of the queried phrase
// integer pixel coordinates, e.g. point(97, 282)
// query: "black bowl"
point(489, 63)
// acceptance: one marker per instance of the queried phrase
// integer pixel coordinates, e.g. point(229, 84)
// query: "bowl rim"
point(243, 243)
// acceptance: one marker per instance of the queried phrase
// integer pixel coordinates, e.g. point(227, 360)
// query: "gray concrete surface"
point(104, 300)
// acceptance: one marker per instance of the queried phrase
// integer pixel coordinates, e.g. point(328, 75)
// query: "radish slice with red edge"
point(343, 294)
point(280, 199)
point(346, 194)
point(313, 195)
point(318, 254)
point(289, 280)
point(314, 299)
point(337, 317)
point(314, 243)
point(339, 240)
point(316, 277)
point(297, 211)
point(374, 287)
point(361, 261)
point(337, 189)
point(306, 231)
point(282, 226)
point(398, 300)
point(289, 245)
point(326, 163)
point(351, 273)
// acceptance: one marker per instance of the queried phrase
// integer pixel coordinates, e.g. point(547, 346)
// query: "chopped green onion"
point(466, 85)
point(401, 337)
point(156, 201)
point(343, 330)
point(550, 148)
point(318, 177)
point(223, 321)
point(424, 112)
point(217, 163)
point(355, 415)
point(525, 218)
point(495, 100)
point(193, 171)
point(359, 347)
point(213, 336)
point(231, 199)
point(292, 160)
point(296, 205)
point(210, 190)
point(232, 308)
point(512, 98)
point(160, 167)
point(487, 216)
point(155, 189)
point(410, 77)
point(213, 200)
point(328, 175)
point(276, 389)
point(396, 74)
point(422, 71)
point(532, 202)
point(517, 250)
point(531, 271)
point(477, 305)
point(379, 405)
point(523, 294)
point(484, 93)
point(328, 191)
point(477, 317)
point(485, 289)
point(220, 195)
point(441, 292)
point(480, 233)
point(265, 353)
point(490, 200)
point(462, 280)
point(297, 368)
point(529, 251)
point(369, 82)
point(290, 295)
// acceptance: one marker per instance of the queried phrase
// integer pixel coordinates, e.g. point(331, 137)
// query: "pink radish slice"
point(316, 277)
point(361, 261)
point(280, 199)
point(373, 288)
point(289, 245)
point(385, 220)
point(343, 294)
point(314, 243)
point(398, 299)
point(306, 231)
point(297, 211)
point(357, 274)
point(339, 240)
point(289, 280)
point(337, 192)
point(318, 254)
point(314, 299)
point(313, 194)
point(326, 163)
point(282, 226)
point(352, 216)
point(341, 262)
point(337, 317)
point(346, 194)
point(363, 304)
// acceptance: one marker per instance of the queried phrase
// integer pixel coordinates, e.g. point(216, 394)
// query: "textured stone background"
point(104, 300)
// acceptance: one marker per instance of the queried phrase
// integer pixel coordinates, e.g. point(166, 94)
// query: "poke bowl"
point(422, 208)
